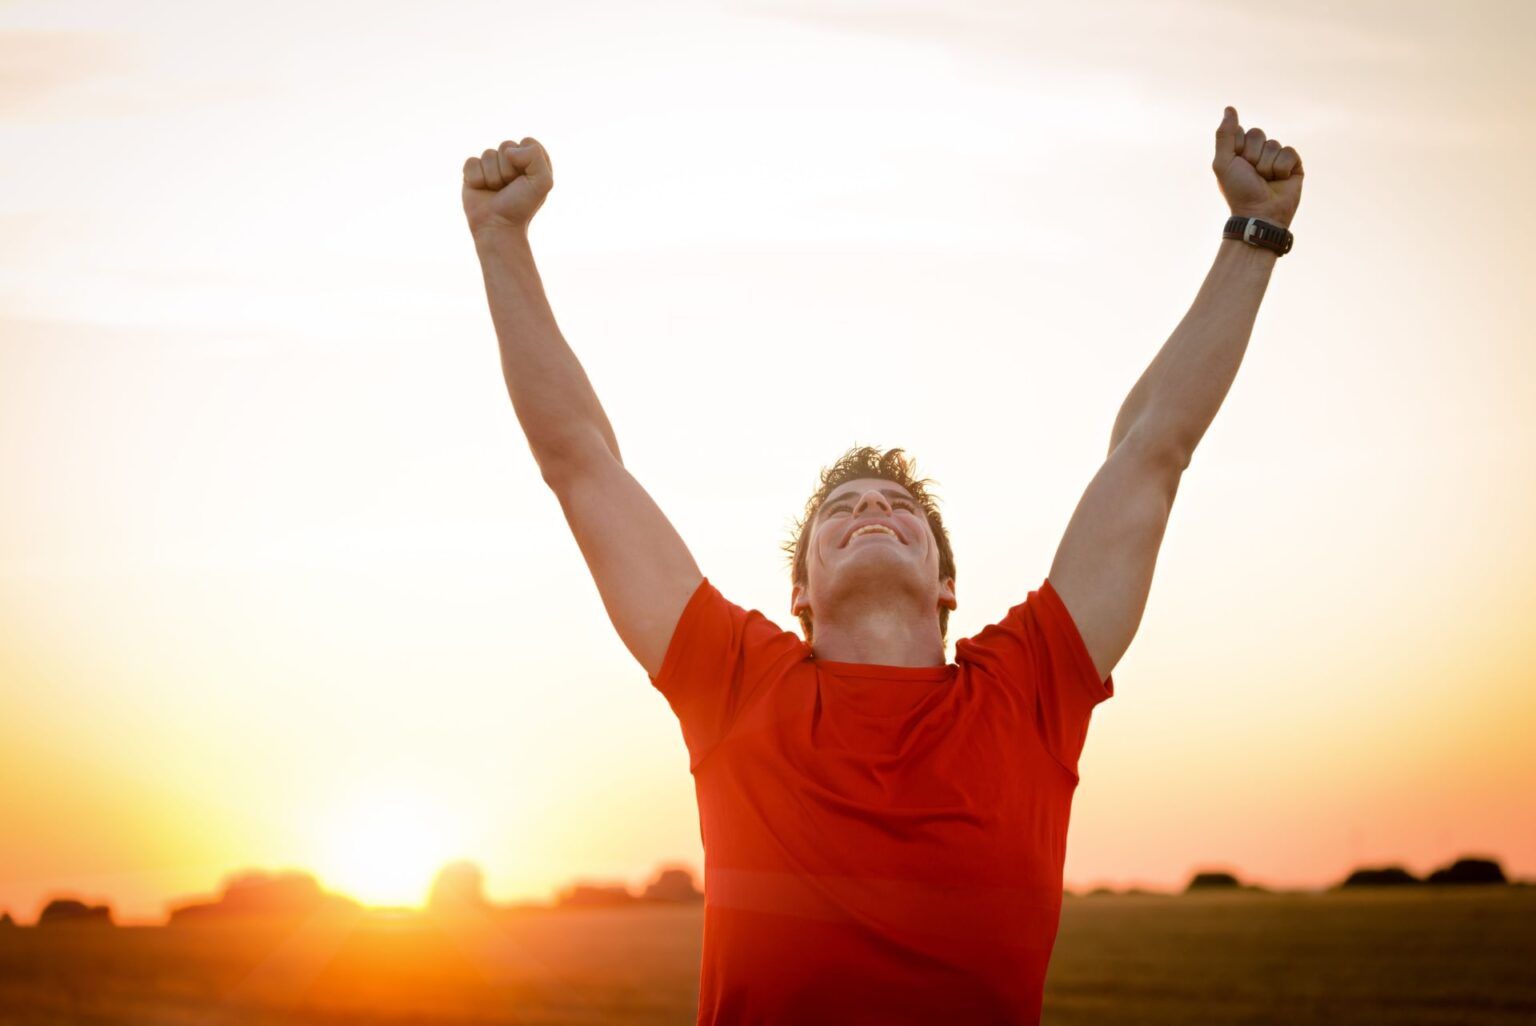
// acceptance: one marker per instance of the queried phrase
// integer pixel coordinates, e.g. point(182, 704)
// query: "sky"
point(280, 584)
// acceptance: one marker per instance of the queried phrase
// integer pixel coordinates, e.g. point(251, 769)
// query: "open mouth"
point(872, 530)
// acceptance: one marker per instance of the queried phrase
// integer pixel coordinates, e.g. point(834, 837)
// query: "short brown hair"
point(869, 461)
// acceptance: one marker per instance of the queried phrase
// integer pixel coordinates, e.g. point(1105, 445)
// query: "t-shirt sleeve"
point(719, 658)
point(1036, 651)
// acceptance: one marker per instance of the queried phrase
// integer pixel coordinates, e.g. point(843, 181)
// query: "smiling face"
point(871, 536)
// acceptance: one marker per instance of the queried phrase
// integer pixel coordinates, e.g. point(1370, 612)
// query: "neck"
point(882, 635)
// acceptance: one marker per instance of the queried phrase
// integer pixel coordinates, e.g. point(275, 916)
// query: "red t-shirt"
point(882, 844)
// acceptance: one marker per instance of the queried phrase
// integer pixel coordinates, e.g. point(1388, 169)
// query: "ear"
point(947, 594)
point(799, 600)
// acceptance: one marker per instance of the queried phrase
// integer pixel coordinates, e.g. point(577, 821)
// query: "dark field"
point(1442, 955)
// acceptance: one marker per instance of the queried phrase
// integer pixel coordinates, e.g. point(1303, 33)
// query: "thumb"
point(1228, 133)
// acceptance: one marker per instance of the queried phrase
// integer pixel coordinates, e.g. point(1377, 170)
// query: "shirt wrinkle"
point(882, 844)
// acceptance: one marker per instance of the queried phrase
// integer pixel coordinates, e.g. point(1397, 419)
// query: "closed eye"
point(899, 502)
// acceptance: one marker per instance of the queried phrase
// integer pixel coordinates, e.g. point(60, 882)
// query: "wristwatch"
point(1258, 233)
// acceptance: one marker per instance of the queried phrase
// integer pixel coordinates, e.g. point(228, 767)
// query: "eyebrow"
point(893, 493)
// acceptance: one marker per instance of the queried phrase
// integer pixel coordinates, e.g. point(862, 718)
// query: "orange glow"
point(386, 849)
point(280, 584)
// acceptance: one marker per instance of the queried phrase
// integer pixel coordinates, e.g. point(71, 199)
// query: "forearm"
point(1178, 394)
point(554, 402)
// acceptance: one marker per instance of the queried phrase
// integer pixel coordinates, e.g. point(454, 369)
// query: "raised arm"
point(1103, 567)
point(1179, 393)
point(643, 570)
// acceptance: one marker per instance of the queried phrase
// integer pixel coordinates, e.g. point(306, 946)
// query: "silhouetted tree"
point(60, 911)
point(257, 894)
point(1212, 881)
point(6, 920)
point(1469, 871)
point(674, 885)
point(459, 887)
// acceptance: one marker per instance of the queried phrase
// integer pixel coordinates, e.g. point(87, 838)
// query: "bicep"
point(1103, 566)
point(643, 570)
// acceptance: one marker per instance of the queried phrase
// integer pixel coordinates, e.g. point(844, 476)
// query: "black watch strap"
point(1258, 233)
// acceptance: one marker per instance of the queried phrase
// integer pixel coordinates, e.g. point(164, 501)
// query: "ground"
point(1399, 956)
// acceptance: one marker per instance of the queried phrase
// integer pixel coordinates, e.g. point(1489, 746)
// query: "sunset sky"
point(280, 585)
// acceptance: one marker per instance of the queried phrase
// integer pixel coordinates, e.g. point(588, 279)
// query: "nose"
point(873, 497)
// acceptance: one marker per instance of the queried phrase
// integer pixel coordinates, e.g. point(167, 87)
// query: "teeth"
point(870, 528)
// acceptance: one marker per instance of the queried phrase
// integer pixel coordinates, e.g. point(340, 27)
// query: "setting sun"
point(386, 849)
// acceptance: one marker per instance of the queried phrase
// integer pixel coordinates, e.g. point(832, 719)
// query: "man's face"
point(871, 537)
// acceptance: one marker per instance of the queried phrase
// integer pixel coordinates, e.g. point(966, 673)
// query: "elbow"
point(1163, 448)
point(1153, 438)
point(571, 457)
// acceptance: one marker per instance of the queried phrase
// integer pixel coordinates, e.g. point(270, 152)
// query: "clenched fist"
point(1258, 176)
point(504, 187)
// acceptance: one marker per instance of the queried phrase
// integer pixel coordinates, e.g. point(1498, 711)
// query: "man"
point(884, 831)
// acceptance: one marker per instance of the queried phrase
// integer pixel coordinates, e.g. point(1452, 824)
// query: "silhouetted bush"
point(583, 895)
point(6, 920)
point(62, 911)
